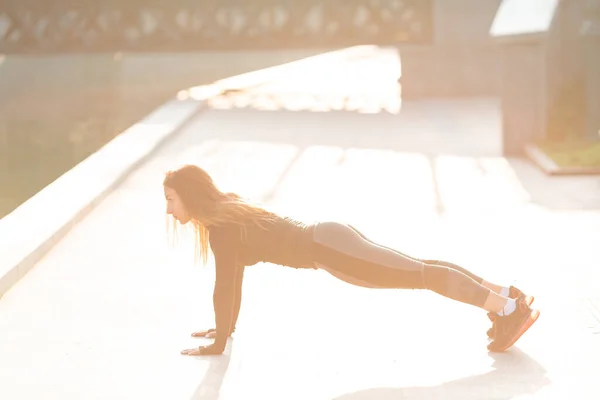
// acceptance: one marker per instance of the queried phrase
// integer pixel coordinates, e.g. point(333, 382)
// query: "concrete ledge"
point(546, 164)
point(31, 230)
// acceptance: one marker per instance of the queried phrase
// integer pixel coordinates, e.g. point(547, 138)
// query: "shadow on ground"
point(498, 384)
point(210, 386)
point(492, 385)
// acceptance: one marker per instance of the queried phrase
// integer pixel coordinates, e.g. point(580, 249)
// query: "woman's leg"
point(345, 253)
point(504, 291)
point(348, 255)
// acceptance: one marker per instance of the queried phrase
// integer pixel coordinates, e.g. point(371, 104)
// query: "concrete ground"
point(106, 313)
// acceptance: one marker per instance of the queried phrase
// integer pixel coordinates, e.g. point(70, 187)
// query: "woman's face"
point(175, 206)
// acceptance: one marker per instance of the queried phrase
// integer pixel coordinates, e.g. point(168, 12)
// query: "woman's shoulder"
point(223, 231)
point(223, 234)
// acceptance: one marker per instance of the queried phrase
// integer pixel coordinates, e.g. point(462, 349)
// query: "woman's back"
point(283, 241)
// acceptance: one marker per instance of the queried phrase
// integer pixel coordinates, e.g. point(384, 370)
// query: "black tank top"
point(283, 241)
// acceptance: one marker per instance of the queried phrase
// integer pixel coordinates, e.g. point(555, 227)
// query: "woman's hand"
point(209, 333)
point(210, 350)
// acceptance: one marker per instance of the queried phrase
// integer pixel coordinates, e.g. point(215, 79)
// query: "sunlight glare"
point(364, 81)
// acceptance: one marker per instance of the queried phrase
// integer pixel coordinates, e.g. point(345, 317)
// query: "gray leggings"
point(348, 255)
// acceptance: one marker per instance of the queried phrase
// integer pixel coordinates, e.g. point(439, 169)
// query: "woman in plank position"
point(240, 235)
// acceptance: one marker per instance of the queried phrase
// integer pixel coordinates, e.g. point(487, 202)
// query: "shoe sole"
point(533, 316)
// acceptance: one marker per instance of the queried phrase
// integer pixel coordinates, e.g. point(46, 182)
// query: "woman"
point(240, 235)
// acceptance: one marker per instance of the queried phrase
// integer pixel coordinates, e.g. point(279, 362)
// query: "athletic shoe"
point(511, 327)
point(513, 293)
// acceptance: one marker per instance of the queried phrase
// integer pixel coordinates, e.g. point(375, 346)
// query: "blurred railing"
point(34, 26)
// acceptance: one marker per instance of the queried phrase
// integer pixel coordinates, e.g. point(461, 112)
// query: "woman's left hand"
point(210, 350)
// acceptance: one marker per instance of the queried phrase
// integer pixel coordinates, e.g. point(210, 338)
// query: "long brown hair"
point(208, 206)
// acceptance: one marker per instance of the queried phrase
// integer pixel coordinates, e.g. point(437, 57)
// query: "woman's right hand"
point(209, 333)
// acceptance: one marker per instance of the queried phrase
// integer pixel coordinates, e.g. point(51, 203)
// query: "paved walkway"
point(105, 314)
